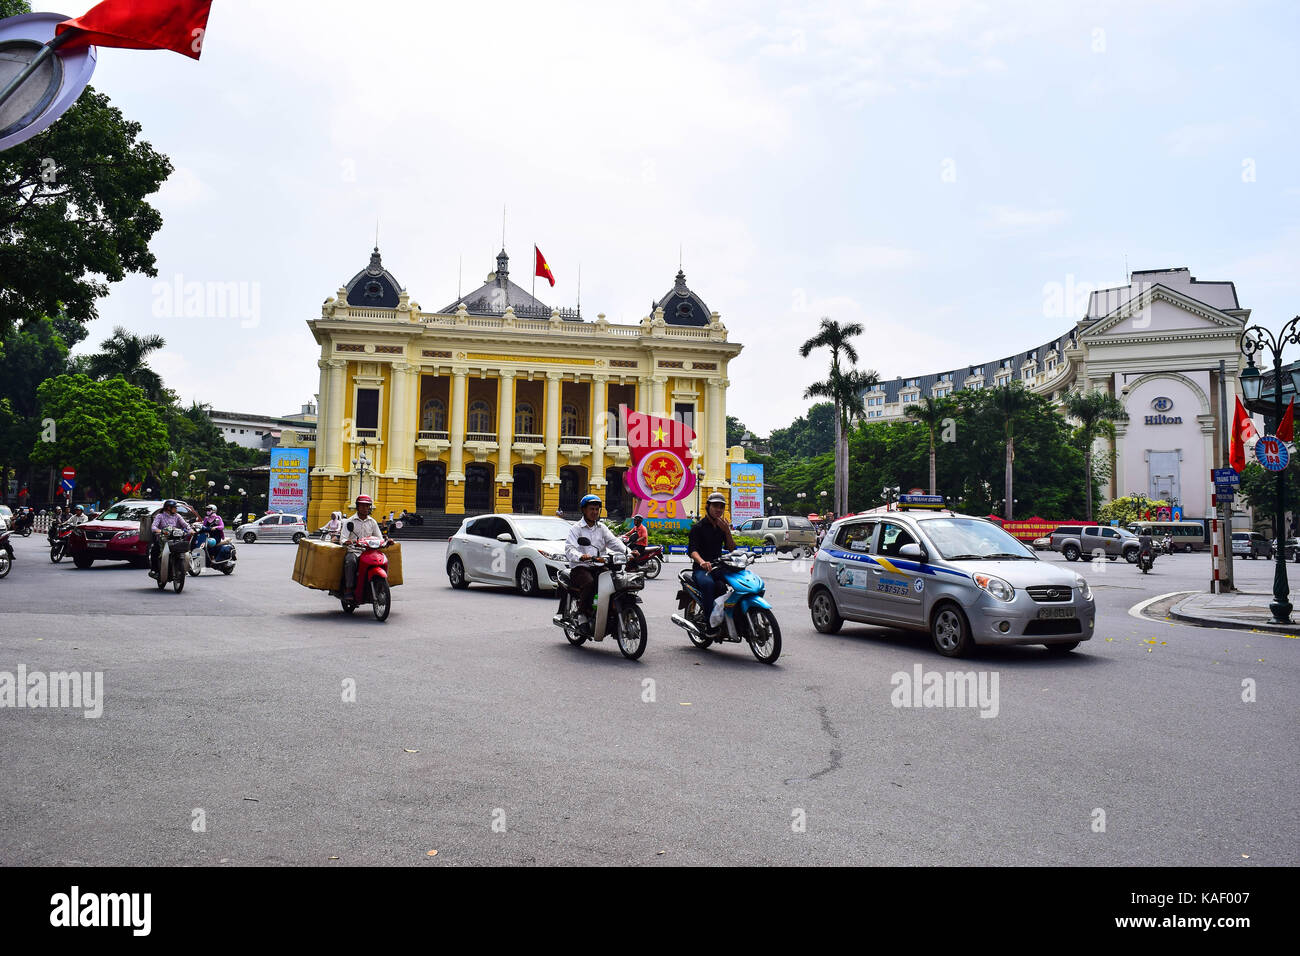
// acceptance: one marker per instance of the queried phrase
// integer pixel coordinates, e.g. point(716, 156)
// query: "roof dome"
point(682, 306)
point(374, 286)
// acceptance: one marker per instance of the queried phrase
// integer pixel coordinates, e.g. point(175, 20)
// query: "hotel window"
point(569, 420)
point(433, 416)
point(524, 420)
point(684, 412)
point(367, 408)
point(480, 417)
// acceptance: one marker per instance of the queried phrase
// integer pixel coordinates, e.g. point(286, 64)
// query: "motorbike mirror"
point(911, 551)
point(397, 524)
point(584, 542)
point(350, 528)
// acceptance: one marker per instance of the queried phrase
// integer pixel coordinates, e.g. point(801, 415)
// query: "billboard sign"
point(746, 492)
point(288, 493)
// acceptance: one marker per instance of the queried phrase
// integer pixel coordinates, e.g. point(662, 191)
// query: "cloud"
point(854, 259)
point(1017, 220)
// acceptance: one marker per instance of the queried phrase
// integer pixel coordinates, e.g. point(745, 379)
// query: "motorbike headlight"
point(996, 587)
point(1084, 590)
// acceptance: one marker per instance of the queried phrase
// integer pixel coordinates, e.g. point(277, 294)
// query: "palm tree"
point(1094, 411)
point(1010, 402)
point(931, 413)
point(835, 337)
point(124, 354)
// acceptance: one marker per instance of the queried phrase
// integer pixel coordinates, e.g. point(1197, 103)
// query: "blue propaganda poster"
point(288, 493)
point(746, 493)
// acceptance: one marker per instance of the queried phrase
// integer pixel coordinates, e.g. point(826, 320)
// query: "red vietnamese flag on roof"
point(1286, 427)
point(543, 270)
point(177, 25)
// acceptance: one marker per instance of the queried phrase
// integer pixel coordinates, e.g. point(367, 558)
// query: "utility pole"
point(1225, 507)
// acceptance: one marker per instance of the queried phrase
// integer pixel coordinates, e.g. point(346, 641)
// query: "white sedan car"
point(526, 551)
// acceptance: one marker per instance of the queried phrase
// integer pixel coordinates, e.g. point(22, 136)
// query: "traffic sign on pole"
point(69, 473)
point(67, 484)
point(1224, 476)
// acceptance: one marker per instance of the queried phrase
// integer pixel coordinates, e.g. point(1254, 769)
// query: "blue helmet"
point(588, 500)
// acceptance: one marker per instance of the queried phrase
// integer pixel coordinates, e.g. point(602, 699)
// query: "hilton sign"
point(1161, 405)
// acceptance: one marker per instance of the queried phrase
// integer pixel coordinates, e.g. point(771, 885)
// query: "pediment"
point(1160, 311)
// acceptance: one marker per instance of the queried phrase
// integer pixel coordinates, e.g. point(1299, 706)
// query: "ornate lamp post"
point(1255, 340)
point(361, 463)
point(822, 506)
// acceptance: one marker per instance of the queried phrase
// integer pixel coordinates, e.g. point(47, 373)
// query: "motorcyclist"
point(362, 526)
point(334, 527)
point(1146, 547)
point(213, 525)
point(709, 537)
point(164, 520)
point(1169, 544)
point(583, 576)
point(640, 537)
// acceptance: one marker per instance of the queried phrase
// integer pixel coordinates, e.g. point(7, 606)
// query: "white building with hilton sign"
point(1155, 344)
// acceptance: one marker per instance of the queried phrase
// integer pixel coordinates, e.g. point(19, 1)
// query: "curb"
point(1290, 630)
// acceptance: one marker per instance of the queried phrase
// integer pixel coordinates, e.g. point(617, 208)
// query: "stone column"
point(456, 426)
point(322, 416)
point(715, 433)
point(505, 422)
point(1118, 478)
point(554, 384)
point(599, 405)
point(334, 441)
point(657, 384)
point(401, 440)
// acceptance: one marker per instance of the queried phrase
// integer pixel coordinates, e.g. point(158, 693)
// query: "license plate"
point(1048, 613)
point(97, 544)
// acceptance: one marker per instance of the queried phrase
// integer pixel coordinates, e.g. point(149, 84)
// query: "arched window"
point(524, 421)
point(433, 416)
point(480, 417)
point(569, 420)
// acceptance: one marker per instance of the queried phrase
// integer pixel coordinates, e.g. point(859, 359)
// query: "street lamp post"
point(1255, 340)
point(361, 463)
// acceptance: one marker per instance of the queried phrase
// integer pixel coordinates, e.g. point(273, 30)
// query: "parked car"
point(1251, 544)
point(121, 533)
point(526, 551)
point(959, 578)
point(1043, 544)
point(784, 532)
point(6, 518)
point(1089, 541)
point(274, 528)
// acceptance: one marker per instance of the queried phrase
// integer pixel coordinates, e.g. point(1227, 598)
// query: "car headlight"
point(549, 556)
point(996, 587)
point(1084, 590)
point(123, 535)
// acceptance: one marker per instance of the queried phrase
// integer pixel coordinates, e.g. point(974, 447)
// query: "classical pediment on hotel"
point(1158, 312)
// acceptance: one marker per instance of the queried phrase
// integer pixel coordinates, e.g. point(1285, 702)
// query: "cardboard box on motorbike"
point(319, 564)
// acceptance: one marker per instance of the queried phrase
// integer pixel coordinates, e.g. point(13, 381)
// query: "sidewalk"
point(1241, 609)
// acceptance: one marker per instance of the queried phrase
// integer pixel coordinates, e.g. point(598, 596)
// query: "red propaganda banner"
point(1031, 528)
point(660, 473)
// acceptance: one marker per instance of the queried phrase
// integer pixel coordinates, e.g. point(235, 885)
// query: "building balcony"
point(432, 436)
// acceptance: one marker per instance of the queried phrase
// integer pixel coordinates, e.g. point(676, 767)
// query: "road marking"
point(1137, 609)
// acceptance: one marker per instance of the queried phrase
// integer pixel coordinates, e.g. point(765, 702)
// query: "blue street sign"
point(1225, 476)
point(1270, 451)
point(68, 483)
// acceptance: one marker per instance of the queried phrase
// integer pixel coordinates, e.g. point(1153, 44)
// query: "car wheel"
point(1131, 556)
point(526, 579)
point(1071, 552)
point(298, 536)
point(1061, 649)
point(1187, 549)
point(249, 537)
point(949, 631)
point(83, 563)
point(456, 573)
point(825, 617)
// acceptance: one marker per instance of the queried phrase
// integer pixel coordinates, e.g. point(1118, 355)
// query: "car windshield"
point(970, 539)
point(543, 529)
point(801, 524)
point(128, 512)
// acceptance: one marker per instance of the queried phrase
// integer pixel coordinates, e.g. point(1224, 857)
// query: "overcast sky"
point(926, 169)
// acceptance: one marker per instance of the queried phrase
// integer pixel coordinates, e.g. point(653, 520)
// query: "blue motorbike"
point(747, 616)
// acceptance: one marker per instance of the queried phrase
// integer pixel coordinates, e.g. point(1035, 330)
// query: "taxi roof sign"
point(921, 501)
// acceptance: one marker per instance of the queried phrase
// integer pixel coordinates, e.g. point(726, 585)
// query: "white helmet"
point(211, 509)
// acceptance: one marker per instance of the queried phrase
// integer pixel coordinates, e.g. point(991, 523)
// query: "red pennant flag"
point(1243, 430)
point(543, 270)
point(177, 25)
point(1286, 427)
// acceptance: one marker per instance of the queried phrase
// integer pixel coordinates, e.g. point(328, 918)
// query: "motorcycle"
point(173, 558)
point(372, 580)
point(746, 613)
point(1146, 560)
point(207, 552)
point(649, 562)
point(615, 606)
point(6, 553)
point(23, 524)
point(58, 546)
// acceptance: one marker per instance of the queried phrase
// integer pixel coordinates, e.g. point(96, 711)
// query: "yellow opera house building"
point(499, 403)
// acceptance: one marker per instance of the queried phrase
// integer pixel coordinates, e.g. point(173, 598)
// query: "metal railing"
point(432, 436)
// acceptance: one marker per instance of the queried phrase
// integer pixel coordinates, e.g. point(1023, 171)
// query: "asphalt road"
point(478, 731)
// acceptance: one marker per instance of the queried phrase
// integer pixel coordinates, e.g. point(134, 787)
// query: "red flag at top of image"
point(1243, 430)
point(177, 25)
point(1286, 427)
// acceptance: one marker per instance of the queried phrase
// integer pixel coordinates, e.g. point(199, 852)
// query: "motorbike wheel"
point(56, 553)
point(178, 582)
point(162, 581)
point(26, 532)
point(631, 632)
point(348, 606)
point(652, 568)
point(381, 599)
point(692, 613)
point(227, 568)
point(193, 567)
point(764, 635)
point(5, 563)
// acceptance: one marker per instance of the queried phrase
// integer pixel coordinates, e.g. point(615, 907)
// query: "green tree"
point(838, 339)
point(808, 435)
point(32, 352)
point(1094, 411)
point(736, 430)
point(932, 413)
point(1010, 403)
point(124, 353)
point(106, 430)
point(1127, 509)
point(1258, 490)
point(73, 211)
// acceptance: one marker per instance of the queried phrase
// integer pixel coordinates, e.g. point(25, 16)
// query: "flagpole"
point(534, 292)
point(43, 54)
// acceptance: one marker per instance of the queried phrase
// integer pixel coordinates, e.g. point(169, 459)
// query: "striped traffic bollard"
point(1214, 556)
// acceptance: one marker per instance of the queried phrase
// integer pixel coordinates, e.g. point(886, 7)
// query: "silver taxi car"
point(961, 579)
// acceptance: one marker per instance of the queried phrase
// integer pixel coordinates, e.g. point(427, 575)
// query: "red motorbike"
point(372, 581)
point(58, 546)
point(649, 562)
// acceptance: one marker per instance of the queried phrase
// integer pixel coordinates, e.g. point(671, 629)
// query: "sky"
point(937, 171)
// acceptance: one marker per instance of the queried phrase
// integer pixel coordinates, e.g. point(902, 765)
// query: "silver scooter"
point(616, 607)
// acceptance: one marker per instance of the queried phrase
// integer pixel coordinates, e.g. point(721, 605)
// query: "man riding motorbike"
point(1146, 548)
point(168, 518)
point(78, 516)
point(708, 537)
point(582, 577)
point(363, 526)
point(639, 537)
